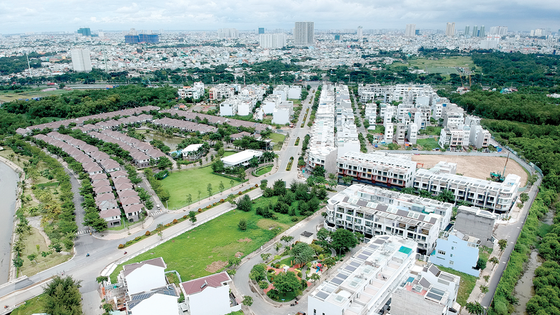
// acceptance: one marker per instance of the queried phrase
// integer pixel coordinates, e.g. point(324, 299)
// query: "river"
point(524, 288)
point(8, 192)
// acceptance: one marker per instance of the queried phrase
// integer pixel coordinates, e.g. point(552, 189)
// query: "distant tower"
point(360, 33)
point(482, 31)
point(467, 30)
point(85, 31)
point(450, 29)
point(304, 33)
point(410, 30)
point(475, 31)
point(261, 30)
point(81, 61)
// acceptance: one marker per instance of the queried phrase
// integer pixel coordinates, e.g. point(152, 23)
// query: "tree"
point(245, 204)
point(314, 277)
point(234, 262)
point(247, 300)
point(199, 193)
point(474, 308)
point(209, 189)
point(242, 224)
point(343, 239)
point(192, 216)
point(286, 283)
point(277, 246)
point(231, 183)
point(446, 196)
point(101, 279)
point(279, 187)
point(231, 199)
point(347, 180)
point(32, 257)
point(302, 253)
point(286, 239)
point(264, 182)
point(18, 262)
point(265, 256)
point(524, 197)
point(494, 260)
point(164, 163)
point(319, 171)
point(480, 264)
point(221, 186)
point(502, 244)
point(189, 199)
point(483, 289)
point(62, 296)
point(258, 272)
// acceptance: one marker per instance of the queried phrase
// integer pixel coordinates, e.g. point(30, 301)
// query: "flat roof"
point(241, 157)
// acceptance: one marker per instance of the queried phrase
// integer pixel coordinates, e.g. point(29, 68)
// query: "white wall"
point(145, 278)
point(157, 304)
point(211, 301)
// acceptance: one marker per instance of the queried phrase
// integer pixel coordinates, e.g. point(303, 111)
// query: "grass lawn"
point(278, 140)
point(264, 170)
point(216, 241)
point(8, 96)
point(428, 144)
point(181, 183)
point(459, 61)
point(32, 306)
point(228, 153)
point(41, 263)
point(465, 287)
point(431, 130)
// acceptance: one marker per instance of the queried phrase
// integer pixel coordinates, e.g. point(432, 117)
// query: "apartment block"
point(478, 192)
point(322, 145)
point(371, 113)
point(427, 291)
point(457, 251)
point(477, 223)
point(283, 113)
point(412, 133)
point(400, 133)
point(377, 168)
point(229, 107)
point(364, 284)
point(389, 132)
point(272, 41)
point(358, 209)
point(220, 92)
point(195, 92)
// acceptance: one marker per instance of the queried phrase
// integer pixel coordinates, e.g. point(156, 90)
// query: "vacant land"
point(278, 140)
point(474, 166)
point(207, 248)
point(442, 65)
point(192, 181)
point(466, 285)
point(428, 143)
point(40, 263)
point(32, 306)
point(12, 96)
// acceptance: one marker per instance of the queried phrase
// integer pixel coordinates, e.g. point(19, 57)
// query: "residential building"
point(229, 107)
point(412, 133)
point(220, 92)
point(241, 158)
point(112, 216)
point(261, 30)
point(161, 301)
point(428, 291)
point(365, 283)
point(228, 33)
point(360, 33)
point(410, 30)
point(477, 223)
point(194, 92)
point(389, 132)
point(495, 196)
point(81, 61)
point(192, 152)
point(283, 112)
point(455, 136)
point(272, 41)
point(143, 276)
point(322, 144)
point(400, 133)
point(359, 209)
point(450, 29)
point(457, 251)
point(84, 31)
point(304, 34)
point(377, 168)
point(209, 295)
point(294, 92)
point(371, 113)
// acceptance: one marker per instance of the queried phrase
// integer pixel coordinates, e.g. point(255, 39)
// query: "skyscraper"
point(450, 30)
point(475, 31)
point(482, 34)
point(303, 33)
point(410, 30)
point(80, 60)
point(85, 31)
point(272, 41)
point(360, 33)
point(228, 33)
point(467, 30)
point(261, 30)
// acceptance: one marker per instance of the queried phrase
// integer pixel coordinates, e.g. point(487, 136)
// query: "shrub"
point(222, 200)
point(175, 221)
point(263, 285)
point(121, 246)
point(199, 210)
point(256, 185)
point(147, 233)
point(294, 219)
point(277, 265)
point(137, 238)
point(239, 193)
point(168, 225)
point(208, 206)
point(185, 217)
point(299, 274)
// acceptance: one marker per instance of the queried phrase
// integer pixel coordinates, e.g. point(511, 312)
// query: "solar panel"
point(434, 296)
point(355, 264)
point(350, 268)
point(363, 257)
point(337, 280)
point(322, 295)
point(342, 276)
point(365, 252)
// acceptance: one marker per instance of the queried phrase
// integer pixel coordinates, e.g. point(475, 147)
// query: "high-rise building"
point(261, 30)
point(85, 31)
point(467, 30)
point(410, 30)
point(81, 61)
point(482, 34)
point(145, 37)
point(337, 37)
point(475, 31)
point(228, 33)
point(360, 33)
point(272, 41)
point(450, 29)
point(304, 33)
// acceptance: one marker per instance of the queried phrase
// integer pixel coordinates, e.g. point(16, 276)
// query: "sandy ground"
point(474, 166)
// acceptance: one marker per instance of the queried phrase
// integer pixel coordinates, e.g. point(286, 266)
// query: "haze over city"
point(44, 16)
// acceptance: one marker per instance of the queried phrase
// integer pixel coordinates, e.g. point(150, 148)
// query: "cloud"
point(69, 15)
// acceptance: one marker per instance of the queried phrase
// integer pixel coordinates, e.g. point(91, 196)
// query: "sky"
point(21, 16)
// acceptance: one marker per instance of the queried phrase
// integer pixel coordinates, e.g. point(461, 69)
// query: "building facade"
point(304, 34)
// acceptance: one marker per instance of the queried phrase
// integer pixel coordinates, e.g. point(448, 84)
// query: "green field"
point(8, 96)
point(263, 170)
point(442, 65)
point(278, 140)
point(32, 306)
point(215, 241)
point(181, 183)
point(466, 285)
point(428, 144)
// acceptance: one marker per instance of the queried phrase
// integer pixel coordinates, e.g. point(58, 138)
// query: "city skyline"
point(49, 16)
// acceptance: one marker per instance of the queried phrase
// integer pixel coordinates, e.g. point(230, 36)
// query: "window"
point(314, 312)
point(441, 252)
point(451, 262)
point(452, 247)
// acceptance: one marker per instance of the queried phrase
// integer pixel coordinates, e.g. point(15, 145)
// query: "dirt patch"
point(215, 266)
point(474, 166)
point(210, 256)
point(238, 254)
point(244, 240)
